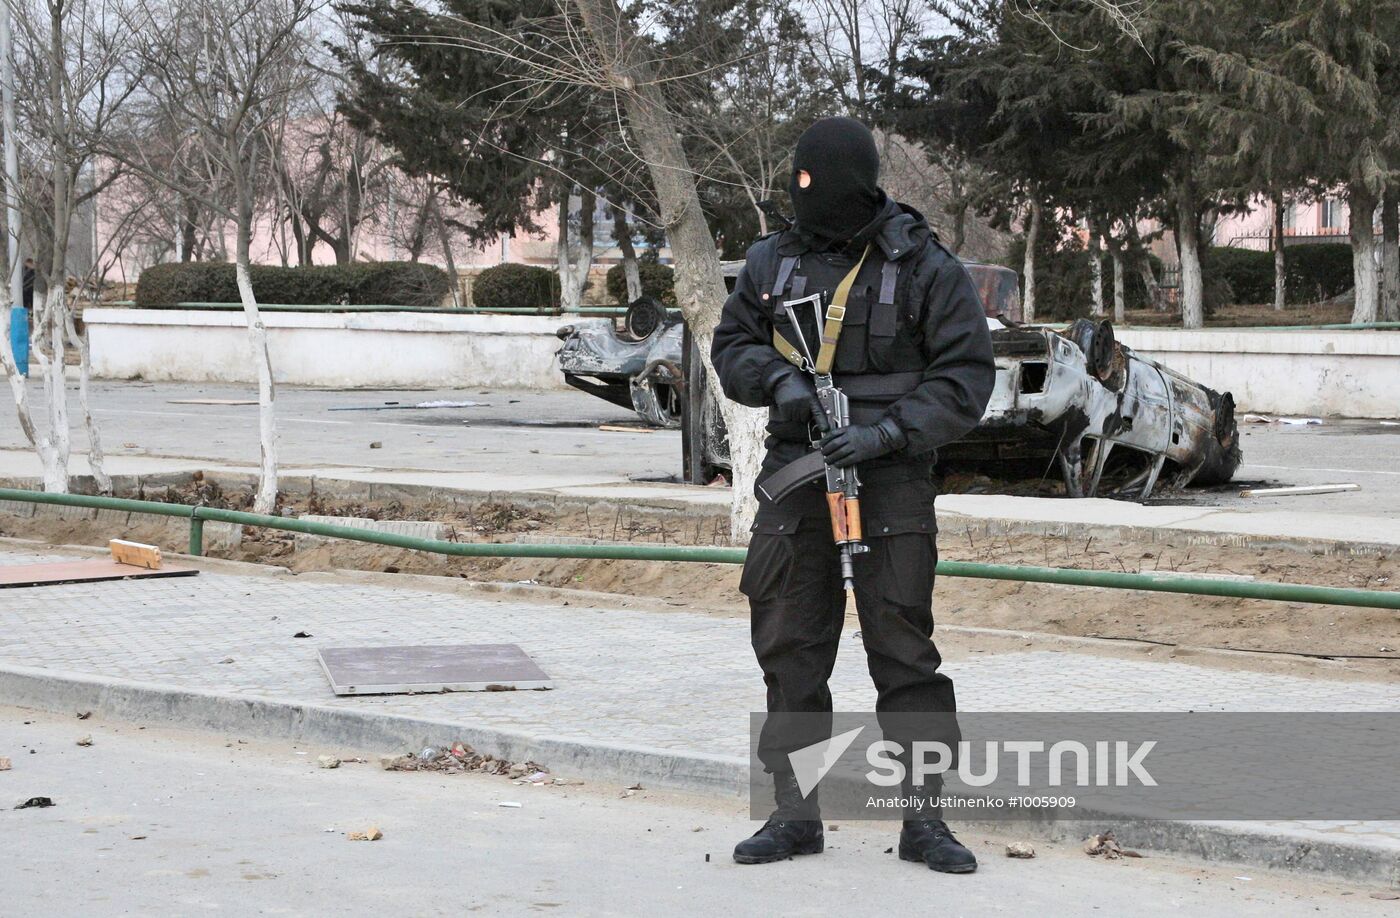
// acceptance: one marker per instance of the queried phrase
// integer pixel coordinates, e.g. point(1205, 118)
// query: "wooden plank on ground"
point(91, 571)
point(135, 553)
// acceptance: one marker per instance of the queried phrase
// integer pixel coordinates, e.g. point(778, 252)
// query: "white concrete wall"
point(343, 350)
point(1332, 373)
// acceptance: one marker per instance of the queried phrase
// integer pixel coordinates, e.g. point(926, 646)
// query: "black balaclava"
point(844, 196)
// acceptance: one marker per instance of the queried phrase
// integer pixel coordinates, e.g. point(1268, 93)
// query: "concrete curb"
point(714, 775)
point(261, 718)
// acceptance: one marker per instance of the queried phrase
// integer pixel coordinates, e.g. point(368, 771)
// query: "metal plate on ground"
point(58, 572)
point(431, 668)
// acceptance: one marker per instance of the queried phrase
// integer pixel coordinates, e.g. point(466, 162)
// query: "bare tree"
point(73, 55)
point(223, 70)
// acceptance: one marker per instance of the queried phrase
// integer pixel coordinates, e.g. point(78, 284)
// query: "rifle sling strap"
point(831, 329)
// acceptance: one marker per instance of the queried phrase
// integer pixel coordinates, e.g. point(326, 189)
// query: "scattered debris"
point(85, 740)
point(1385, 895)
point(889, 851)
point(1020, 849)
point(35, 802)
point(1257, 419)
point(136, 554)
point(4, 763)
point(510, 804)
point(370, 834)
point(618, 428)
point(226, 660)
point(376, 444)
point(1302, 422)
point(302, 634)
point(1105, 844)
point(327, 761)
point(1299, 489)
point(396, 406)
point(83, 715)
point(460, 759)
point(138, 837)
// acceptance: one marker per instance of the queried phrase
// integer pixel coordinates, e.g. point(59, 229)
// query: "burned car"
point(1070, 404)
point(1078, 405)
point(638, 369)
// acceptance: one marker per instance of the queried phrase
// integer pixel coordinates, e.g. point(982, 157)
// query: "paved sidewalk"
point(667, 681)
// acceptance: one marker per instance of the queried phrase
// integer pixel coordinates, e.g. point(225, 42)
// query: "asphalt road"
point(154, 823)
point(513, 432)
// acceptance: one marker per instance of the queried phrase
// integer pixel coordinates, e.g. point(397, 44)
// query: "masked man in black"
point(915, 358)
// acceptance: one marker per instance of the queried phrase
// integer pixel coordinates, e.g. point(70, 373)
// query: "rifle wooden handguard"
point(845, 517)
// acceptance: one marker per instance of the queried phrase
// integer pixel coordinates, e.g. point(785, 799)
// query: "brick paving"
point(673, 680)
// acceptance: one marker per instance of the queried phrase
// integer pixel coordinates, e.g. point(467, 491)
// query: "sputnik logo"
point(811, 763)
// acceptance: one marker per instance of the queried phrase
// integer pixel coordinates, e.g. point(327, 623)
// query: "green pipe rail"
point(1114, 580)
point(336, 307)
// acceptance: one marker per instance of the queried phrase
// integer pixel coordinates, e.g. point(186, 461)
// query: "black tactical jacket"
point(914, 347)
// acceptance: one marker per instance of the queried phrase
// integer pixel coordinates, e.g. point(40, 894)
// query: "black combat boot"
point(794, 828)
point(932, 842)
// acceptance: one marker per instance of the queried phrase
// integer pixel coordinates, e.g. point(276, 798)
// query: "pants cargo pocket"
point(768, 565)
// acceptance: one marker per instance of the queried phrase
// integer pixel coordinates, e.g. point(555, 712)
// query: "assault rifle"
point(842, 484)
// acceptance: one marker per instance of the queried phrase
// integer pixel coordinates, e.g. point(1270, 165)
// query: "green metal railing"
point(1155, 582)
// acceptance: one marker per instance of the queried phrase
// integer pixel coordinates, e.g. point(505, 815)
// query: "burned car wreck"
point(1071, 405)
point(638, 369)
point(1078, 405)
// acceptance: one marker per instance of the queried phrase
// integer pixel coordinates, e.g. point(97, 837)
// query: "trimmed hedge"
point(382, 283)
point(514, 286)
point(657, 280)
point(1250, 273)
point(1317, 271)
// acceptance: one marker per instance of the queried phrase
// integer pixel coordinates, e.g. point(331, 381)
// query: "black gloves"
point(862, 442)
point(795, 397)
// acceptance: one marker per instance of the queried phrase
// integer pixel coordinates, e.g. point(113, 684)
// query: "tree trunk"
point(1120, 288)
point(1390, 254)
point(575, 249)
point(449, 260)
point(1096, 267)
point(1028, 268)
point(1138, 253)
point(265, 501)
point(622, 234)
point(1188, 242)
point(1280, 257)
point(700, 291)
point(1362, 203)
point(52, 357)
point(97, 460)
point(959, 233)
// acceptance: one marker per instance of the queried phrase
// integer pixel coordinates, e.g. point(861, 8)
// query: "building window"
point(1330, 214)
point(1290, 217)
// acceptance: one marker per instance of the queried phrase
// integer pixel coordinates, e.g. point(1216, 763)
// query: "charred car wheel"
point(643, 318)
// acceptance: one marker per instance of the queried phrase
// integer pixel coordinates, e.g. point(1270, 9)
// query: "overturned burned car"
point(638, 369)
point(1070, 404)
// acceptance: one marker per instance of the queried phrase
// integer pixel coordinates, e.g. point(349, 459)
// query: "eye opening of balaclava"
point(844, 195)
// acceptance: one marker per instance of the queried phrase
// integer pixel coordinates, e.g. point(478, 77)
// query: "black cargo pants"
point(793, 582)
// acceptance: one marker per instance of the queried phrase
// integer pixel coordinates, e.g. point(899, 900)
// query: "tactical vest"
point(878, 353)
